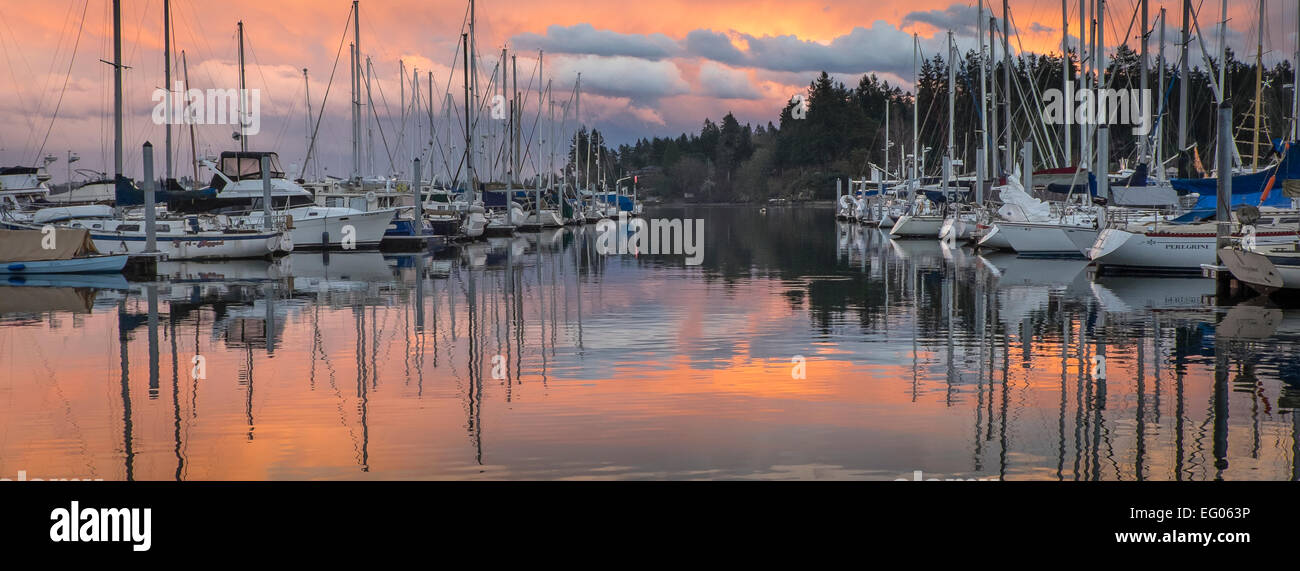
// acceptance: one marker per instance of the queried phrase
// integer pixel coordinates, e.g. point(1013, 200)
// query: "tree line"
point(837, 131)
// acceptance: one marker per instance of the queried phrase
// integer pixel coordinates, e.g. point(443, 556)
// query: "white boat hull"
point(910, 226)
point(1047, 239)
point(1168, 251)
point(201, 246)
point(330, 232)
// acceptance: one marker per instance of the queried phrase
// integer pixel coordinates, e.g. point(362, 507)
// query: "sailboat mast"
point(1160, 105)
point(916, 106)
point(1065, 73)
point(1259, 89)
point(356, 90)
point(243, 92)
point(307, 90)
point(469, 136)
point(118, 143)
point(1183, 79)
point(952, 96)
point(167, 82)
point(1006, 77)
point(194, 149)
point(1223, 48)
point(1295, 88)
point(1145, 82)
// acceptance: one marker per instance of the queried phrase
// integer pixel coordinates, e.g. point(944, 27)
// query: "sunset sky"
point(649, 68)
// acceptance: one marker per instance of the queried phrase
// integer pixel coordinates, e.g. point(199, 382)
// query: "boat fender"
point(1248, 238)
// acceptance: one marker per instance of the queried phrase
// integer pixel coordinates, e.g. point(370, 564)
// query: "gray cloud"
point(637, 79)
point(716, 46)
point(585, 39)
point(959, 18)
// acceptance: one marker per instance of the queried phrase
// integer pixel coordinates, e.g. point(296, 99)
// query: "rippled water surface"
point(536, 358)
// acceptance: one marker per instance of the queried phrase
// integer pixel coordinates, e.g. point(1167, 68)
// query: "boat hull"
point(1162, 251)
point(1047, 239)
point(910, 226)
point(331, 232)
point(88, 265)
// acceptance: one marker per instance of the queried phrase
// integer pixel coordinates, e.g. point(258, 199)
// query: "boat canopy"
point(40, 246)
point(247, 165)
point(1247, 188)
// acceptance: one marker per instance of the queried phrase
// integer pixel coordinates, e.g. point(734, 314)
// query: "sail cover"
point(38, 246)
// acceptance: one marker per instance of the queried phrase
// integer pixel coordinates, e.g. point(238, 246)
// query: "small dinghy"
point(57, 251)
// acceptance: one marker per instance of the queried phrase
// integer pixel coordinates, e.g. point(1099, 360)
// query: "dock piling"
point(150, 214)
point(1223, 214)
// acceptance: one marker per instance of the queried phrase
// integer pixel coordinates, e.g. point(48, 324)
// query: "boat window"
point(129, 228)
point(1289, 221)
point(164, 228)
point(246, 166)
point(97, 226)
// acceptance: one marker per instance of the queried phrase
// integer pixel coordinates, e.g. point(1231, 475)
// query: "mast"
point(916, 106)
point(886, 176)
point(1183, 79)
point(370, 117)
point(469, 136)
point(307, 90)
point(541, 94)
point(1103, 130)
point(1065, 74)
point(1160, 99)
point(1259, 89)
point(1160, 130)
point(167, 72)
point(356, 90)
point(194, 149)
point(1295, 90)
point(1006, 75)
point(118, 143)
point(1085, 60)
point(952, 106)
point(1100, 56)
point(984, 90)
point(1145, 83)
point(243, 92)
point(519, 117)
point(994, 157)
point(401, 87)
point(952, 96)
point(1223, 48)
point(504, 158)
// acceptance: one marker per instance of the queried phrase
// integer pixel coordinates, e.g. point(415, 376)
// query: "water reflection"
point(536, 357)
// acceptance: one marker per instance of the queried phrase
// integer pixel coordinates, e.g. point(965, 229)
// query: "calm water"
point(366, 366)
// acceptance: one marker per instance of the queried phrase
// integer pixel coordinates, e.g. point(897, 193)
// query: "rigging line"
point(30, 117)
point(59, 104)
point(392, 165)
point(191, 27)
point(325, 100)
point(54, 59)
point(248, 40)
